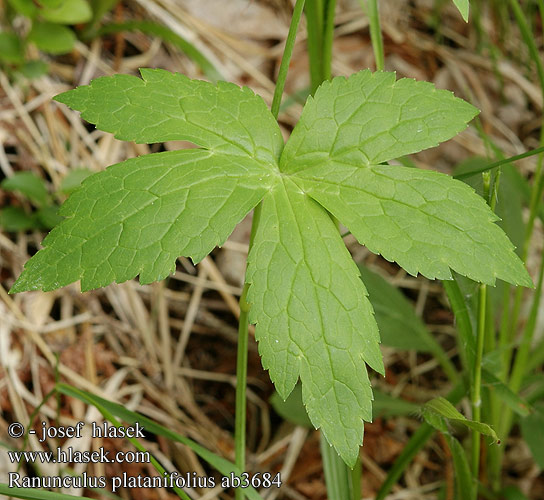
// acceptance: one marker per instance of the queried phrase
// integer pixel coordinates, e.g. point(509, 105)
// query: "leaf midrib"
point(381, 198)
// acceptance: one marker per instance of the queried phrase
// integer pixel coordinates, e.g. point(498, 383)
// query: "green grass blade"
point(375, 32)
point(288, 51)
point(463, 478)
point(222, 465)
point(533, 387)
point(337, 474)
point(505, 394)
point(461, 310)
point(328, 37)
point(412, 448)
point(313, 11)
point(160, 469)
point(167, 35)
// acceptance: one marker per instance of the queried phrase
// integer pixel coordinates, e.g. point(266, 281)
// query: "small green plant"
point(49, 32)
point(303, 292)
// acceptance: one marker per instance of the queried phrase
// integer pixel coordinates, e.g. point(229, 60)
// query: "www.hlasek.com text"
point(71, 456)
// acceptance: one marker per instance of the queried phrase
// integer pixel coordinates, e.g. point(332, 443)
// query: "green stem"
point(328, 37)
point(477, 379)
point(314, 18)
point(241, 384)
point(287, 53)
point(476, 388)
point(376, 34)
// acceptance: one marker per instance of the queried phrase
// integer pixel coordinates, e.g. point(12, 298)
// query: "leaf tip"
point(61, 97)
point(527, 281)
point(22, 284)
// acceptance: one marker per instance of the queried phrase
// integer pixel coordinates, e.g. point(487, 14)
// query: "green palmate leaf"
point(168, 107)
point(313, 318)
point(312, 315)
point(138, 216)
